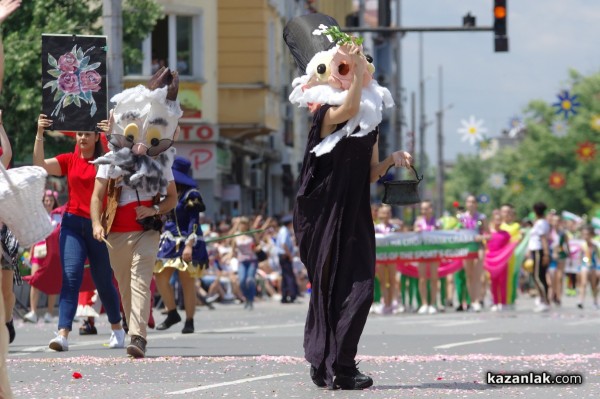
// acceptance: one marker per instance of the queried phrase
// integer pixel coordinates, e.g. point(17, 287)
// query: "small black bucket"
point(402, 192)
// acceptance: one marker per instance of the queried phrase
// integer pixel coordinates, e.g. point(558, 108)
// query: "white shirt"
point(540, 228)
point(128, 195)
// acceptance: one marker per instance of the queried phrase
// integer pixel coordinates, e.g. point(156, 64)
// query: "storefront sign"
point(202, 156)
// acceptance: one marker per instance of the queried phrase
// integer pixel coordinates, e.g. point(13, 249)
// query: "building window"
point(176, 43)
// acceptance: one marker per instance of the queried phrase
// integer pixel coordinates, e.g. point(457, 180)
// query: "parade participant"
point(7, 7)
point(76, 240)
point(540, 253)
point(499, 250)
point(560, 253)
point(386, 272)
point(138, 168)
point(181, 248)
point(471, 219)
point(589, 266)
point(512, 227)
point(38, 252)
point(9, 248)
point(243, 248)
point(285, 250)
point(427, 222)
point(332, 215)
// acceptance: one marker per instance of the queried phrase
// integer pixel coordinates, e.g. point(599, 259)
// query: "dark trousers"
point(539, 275)
point(289, 287)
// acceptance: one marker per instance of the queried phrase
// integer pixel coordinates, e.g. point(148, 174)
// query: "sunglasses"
point(156, 146)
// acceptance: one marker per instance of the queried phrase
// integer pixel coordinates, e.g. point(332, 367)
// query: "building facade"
point(244, 139)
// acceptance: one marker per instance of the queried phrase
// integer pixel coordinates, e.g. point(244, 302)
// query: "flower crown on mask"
point(328, 77)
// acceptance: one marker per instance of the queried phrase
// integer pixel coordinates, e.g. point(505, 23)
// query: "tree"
point(530, 164)
point(21, 97)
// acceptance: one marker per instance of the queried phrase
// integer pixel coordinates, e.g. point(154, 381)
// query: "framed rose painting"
point(74, 89)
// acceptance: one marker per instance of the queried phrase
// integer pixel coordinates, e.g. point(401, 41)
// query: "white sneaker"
point(423, 309)
point(494, 308)
point(542, 307)
point(476, 306)
point(30, 317)
point(59, 343)
point(432, 310)
point(378, 308)
point(117, 339)
point(47, 317)
point(400, 309)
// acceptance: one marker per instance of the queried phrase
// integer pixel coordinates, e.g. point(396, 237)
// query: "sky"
point(546, 39)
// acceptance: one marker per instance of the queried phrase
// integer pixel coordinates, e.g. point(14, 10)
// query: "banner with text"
point(426, 246)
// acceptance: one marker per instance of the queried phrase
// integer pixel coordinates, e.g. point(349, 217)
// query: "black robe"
point(336, 239)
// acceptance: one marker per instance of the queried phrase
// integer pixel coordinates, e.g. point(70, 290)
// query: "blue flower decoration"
point(566, 104)
point(483, 198)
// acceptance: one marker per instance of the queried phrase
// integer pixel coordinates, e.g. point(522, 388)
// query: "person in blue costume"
point(181, 249)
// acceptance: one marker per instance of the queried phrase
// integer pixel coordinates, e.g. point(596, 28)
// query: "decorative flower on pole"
point(517, 188)
point(595, 122)
point(560, 128)
point(566, 104)
point(515, 126)
point(586, 151)
point(557, 180)
point(472, 130)
point(497, 180)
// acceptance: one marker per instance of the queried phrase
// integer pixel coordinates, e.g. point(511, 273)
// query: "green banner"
point(427, 245)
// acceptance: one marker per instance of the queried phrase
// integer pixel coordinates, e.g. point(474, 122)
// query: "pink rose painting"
point(75, 80)
point(68, 62)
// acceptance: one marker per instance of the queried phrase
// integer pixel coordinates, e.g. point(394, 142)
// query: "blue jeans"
point(247, 277)
point(76, 245)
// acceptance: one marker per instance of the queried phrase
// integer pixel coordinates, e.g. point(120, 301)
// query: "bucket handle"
point(411, 166)
point(7, 176)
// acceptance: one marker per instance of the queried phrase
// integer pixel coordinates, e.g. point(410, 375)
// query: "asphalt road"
point(258, 354)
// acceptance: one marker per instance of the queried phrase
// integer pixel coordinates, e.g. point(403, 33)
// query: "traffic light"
point(500, 15)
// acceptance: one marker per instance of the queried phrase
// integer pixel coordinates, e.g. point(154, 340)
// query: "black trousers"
point(289, 287)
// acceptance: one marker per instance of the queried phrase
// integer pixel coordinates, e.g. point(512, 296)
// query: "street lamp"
point(440, 144)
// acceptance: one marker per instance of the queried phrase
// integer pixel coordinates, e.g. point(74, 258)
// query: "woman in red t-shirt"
point(76, 240)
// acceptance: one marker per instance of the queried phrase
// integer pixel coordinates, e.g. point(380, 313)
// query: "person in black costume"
point(332, 215)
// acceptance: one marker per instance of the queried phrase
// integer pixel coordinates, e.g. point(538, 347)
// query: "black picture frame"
point(74, 86)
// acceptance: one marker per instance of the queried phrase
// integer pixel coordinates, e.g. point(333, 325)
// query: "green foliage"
point(136, 29)
point(342, 38)
point(21, 97)
point(540, 153)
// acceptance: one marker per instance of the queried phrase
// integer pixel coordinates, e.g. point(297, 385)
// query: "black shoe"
point(11, 331)
point(87, 329)
point(137, 347)
point(317, 378)
point(350, 378)
point(172, 318)
point(460, 308)
point(189, 327)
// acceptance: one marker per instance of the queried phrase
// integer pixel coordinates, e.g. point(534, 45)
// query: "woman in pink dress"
point(499, 250)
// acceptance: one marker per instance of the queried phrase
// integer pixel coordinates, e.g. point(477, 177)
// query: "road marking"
point(582, 322)
point(224, 384)
point(173, 335)
point(477, 341)
point(458, 323)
